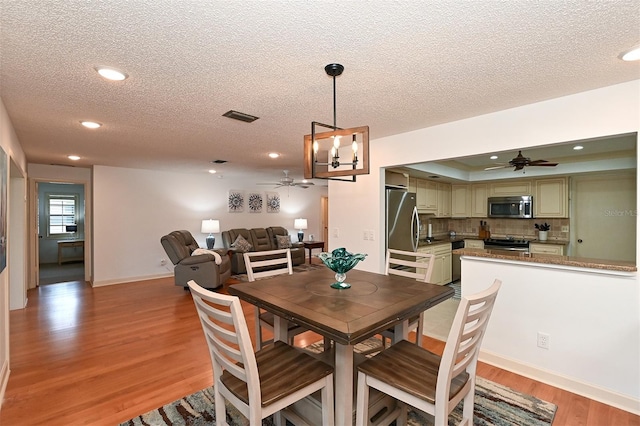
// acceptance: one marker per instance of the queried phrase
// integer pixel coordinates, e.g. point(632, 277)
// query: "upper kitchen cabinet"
point(427, 196)
point(460, 200)
point(510, 188)
point(551, 198)
point(444, 200)
point(479, 199)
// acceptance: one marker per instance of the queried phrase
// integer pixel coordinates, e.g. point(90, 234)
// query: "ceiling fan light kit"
point(322, 149)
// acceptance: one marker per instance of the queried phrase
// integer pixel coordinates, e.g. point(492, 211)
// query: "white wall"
point(11, 146)
point(133, 208)
point(591, 318)
point(598, 113)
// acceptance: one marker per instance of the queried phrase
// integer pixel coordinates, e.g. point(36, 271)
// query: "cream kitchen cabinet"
point(509, 188)
point(551, 198)
point(546, 248)
point(427, 196)
point(474, 244)
point(479, 200)
point(442, 263)
point(444, 200)
point(412, 185)
point(460, 200)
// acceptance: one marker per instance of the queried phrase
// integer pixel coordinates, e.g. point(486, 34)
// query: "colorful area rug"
point(300, 268)
point(494, 405)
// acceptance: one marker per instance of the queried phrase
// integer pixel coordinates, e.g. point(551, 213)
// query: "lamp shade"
point(300, 224)
point(210, 226)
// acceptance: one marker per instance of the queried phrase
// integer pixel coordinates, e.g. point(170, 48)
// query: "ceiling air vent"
point(237, 115)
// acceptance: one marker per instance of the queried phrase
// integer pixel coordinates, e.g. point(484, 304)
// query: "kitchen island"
point(586, 310)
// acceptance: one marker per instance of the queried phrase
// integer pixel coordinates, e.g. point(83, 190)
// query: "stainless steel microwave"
point(517, 207)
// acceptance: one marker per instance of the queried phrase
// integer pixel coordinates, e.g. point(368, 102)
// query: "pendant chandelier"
point(322, 149)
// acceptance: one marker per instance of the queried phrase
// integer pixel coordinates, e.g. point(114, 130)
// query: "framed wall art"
point(255, 202)
point(273, 202)
point(236, 201)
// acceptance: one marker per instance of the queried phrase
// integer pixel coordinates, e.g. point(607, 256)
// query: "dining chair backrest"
point(434, 384)
point(410, 264)
point(257, 384)
point(462, 347)
point(228, 339)
point(262, 264)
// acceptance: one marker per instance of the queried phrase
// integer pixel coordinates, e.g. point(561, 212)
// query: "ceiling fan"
point(287, 181)
point(520, 162)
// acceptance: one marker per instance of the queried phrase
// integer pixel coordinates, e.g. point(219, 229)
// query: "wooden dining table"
point(374, 303)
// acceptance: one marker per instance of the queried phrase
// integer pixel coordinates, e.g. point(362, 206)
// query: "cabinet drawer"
point(474, 244)
point(546, 249)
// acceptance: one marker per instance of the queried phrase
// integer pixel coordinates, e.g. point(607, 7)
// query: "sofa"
point(259, 239)
point(210, 270)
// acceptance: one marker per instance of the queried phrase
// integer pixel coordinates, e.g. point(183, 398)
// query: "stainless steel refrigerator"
point(403, 225)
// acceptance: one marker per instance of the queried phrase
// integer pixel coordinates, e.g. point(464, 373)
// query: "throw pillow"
point(242, 244)
point(284, 241)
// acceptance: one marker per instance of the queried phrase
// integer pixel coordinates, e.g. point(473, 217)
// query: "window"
point(62, 213)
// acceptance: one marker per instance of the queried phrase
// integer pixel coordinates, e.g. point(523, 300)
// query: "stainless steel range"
point(506, 244)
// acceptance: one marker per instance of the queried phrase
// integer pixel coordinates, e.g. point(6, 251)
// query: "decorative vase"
point(542, 235)
point(341, 261)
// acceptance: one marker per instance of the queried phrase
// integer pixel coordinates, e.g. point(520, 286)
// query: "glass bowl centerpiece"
point(341, 261)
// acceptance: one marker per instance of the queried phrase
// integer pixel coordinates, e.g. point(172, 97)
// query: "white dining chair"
point(265, 264)
point(417, 377)
point(414, 265)
point(260, 383)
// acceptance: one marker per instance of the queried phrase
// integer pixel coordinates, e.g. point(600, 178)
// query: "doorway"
point(60, 226)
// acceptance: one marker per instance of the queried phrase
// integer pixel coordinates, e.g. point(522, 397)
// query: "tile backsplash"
point(517, 228)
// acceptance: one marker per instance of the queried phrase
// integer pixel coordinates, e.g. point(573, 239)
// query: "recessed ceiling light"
point(111, 73)
point(578, 147)
point(212, 171)
point(493, 157)
point(274, 155)
point(90, 124)
point(73, 157)
point(631, 55)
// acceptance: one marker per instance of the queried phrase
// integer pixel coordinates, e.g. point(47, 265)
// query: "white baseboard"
point(4, 379)
point(130, 279)
point(623, 402)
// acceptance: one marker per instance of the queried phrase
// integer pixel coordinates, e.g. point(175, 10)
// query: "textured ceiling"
point(408, 65)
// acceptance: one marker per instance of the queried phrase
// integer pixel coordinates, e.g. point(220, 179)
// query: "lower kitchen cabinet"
point(442, 263)
point(546, 248)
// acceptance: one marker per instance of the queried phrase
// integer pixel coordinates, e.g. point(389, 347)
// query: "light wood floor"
point(101, 356)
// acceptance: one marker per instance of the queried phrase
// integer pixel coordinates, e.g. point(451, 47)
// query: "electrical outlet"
point(565, 228)
point(365, 235)
point(543, 340)
point(336, 232)
point(371, 235)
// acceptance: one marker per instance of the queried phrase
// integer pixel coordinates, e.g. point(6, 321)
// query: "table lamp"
point(209, 226)
point(300, 224)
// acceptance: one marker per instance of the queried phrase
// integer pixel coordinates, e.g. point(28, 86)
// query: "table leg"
point(401, 331)
point(280, 329)
point(310, 254)
point(343, 382)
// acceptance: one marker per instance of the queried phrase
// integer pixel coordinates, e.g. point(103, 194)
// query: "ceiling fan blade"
point(504, 166)
point(269, 183)
point(542, 163)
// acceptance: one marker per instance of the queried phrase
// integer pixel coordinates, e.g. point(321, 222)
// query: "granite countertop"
point(550, 259)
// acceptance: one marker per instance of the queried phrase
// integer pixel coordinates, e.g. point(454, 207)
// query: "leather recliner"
point(202, 268)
